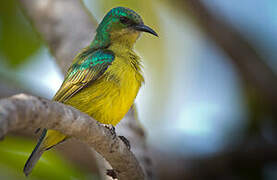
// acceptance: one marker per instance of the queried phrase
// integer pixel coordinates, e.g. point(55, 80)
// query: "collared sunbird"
point(104, 78)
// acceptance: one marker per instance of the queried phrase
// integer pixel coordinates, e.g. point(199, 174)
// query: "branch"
point(233, 162)
point(7, 90)
point(29, 112)
point(131, 128)
point(65, 25)
point(248, 158)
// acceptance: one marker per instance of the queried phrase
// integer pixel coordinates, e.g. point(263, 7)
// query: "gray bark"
point(29, 113)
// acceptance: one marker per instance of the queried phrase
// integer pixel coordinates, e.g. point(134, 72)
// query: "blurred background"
point(209, 103)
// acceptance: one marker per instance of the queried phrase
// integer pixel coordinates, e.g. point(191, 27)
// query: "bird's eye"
point(125, 20)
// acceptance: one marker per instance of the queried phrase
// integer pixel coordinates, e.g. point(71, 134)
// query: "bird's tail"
point(47, 140)
point(36, 154)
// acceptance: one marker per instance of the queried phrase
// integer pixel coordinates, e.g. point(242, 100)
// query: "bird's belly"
point(106, 101)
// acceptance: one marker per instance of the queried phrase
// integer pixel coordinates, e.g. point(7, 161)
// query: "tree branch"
point(131, 128)
point(250, 158)
point(65, 25)
point(7, 90)
point(242, 54)
point(29, 112)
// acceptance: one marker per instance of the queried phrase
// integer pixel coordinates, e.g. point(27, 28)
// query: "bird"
point(104, 77)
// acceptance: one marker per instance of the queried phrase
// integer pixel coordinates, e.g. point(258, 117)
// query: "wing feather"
point(82, 72)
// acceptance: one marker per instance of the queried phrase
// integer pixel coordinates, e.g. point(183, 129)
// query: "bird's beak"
point(144, 28)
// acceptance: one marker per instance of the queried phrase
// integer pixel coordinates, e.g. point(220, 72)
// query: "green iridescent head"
point(120, 22)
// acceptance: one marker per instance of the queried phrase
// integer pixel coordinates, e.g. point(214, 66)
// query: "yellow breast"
point(109, 98)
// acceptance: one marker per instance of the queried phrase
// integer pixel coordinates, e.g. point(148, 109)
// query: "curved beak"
point(144, 28)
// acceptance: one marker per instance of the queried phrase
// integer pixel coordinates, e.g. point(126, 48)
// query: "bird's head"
point(122, 25)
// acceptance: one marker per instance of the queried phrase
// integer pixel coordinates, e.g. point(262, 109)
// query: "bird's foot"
point(111, 129)
point(126, 141)
point(111, 173)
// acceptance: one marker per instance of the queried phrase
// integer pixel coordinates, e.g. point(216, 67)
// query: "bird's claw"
point(126, 141)
point(113, 133)
point(111, 173)
point(111, 129)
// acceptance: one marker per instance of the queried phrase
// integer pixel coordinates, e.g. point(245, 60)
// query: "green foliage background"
point(17, 39)
point(14, 152)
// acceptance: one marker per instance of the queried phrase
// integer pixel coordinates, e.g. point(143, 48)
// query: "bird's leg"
point(126, 141)
point(111, 129)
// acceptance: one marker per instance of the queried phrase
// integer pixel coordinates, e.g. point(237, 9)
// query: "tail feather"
point(36, 154)
point(48, 139)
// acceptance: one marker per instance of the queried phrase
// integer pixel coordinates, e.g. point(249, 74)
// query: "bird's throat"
point(125, 38)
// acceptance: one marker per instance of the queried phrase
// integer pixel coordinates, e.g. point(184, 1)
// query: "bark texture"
point(65, 25)
point(29, 113)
